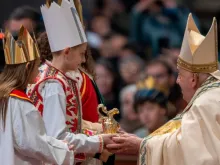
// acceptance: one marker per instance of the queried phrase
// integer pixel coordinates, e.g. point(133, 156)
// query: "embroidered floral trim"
point(101, 144)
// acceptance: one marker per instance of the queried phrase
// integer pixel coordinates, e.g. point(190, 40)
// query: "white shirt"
point(24, 141)
point(54, 116)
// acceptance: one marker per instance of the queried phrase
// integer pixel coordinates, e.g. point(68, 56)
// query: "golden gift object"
point(22, 50)
point(199, 53)
point(149, 83)
point(110, 126)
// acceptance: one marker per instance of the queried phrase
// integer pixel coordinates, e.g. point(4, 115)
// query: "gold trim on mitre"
point(22, 50)
point(199, 53)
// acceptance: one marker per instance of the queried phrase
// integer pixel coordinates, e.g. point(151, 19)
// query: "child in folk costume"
point(90, 97)
point(89, 93)
point(23, 138)
point(56, 94)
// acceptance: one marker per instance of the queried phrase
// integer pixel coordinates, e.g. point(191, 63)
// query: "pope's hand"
point(107, 139)
point(126, 144)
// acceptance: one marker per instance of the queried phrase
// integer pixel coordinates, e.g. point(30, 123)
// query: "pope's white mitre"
point(199, 53)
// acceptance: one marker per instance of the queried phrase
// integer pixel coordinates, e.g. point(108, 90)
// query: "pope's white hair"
point(202, 77)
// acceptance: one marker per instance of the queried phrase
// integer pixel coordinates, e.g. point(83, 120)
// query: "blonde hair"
point(13, 77)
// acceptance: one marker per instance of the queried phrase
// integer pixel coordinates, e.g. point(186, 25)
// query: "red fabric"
point(2, 35)
point(89, 100)
point(20, 94)
point(72, 104)
point(73, 109)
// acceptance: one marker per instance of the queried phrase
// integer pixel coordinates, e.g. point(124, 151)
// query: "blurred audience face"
point(101, 25)
point(104, 79)
point(117, 42)
point(175, 52)
point(106, 49)
point(160, 74)
point(171, 56)
point(26, 16)
point(110, 7)
point(127, 102)
point(126, 52)
point(130, 68)
point(15, 25)
point(151, 115)
point(130, 72)
point(111, 47)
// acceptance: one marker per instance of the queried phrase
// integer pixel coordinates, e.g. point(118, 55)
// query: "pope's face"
point(187, 83)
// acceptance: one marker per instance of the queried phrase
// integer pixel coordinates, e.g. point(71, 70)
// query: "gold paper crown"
point(149, 84)
point(48, 2)
point(199, 53)
point(22, 50)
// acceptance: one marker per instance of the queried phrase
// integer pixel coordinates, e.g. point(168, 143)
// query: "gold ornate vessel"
point(109, 124)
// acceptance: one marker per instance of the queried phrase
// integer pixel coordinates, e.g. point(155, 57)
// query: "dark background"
point(204, 9)
point(7, 6)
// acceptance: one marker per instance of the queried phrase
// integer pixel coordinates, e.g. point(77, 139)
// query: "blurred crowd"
point(134, 45)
